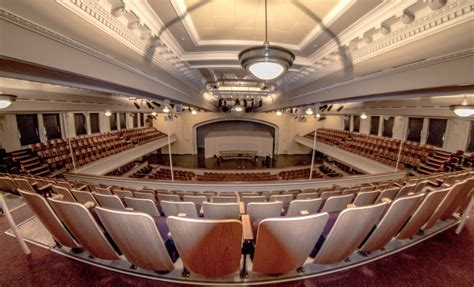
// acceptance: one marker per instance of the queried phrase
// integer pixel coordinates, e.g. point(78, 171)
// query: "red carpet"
point(444, 260)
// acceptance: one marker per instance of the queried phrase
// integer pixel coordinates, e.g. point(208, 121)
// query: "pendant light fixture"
point(266, 62)
point(463, 110)
point(6, 100)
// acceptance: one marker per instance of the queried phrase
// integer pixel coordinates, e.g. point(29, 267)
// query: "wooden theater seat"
point(174, 208)
point(393, 220)
point(49, 219)
point(300, 207)
point(210, 248)
point(337, 203)
point(284, 244)
point(109, 201)
point(142, 205)
point(83, 196)
point(85, 229)
point(365, 198)
point(137, 236)
point(66, 194)
point(221, 210)
point(351, 227)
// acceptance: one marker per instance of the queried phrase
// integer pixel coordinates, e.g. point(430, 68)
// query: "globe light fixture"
point(363, 116)
point(266, 62)
point(309, 111)
point(108, 113)
point(166, 109)
point(318, 115)
point(154, 114)
point(6, 100)
point(194, 112)
point(463, 110)
point(278, 113)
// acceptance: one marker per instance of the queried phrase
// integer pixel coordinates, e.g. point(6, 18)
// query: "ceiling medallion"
point(266, 62)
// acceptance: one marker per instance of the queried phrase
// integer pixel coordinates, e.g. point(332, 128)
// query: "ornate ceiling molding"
point(181, 8)
point(17, 20)
point(124, 25)
point(328, 59)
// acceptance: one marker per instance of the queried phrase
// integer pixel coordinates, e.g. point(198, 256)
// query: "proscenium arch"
point(275, 127)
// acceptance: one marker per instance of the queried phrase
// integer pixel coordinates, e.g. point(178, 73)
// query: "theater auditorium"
point(236, 142)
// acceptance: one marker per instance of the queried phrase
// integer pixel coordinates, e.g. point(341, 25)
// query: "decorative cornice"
point(130, 35)
point(24, 23)
point(329, 61)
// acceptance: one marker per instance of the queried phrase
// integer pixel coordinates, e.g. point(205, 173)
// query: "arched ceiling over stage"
point(179, 48)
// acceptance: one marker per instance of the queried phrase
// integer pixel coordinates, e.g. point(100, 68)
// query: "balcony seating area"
point(311, 225)
point(140, 136)
point(142, 172)
point(42, 158)
point(381, 149)
point(347, 169)
point(124, 168)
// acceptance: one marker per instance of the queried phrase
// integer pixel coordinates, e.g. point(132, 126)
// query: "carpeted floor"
point(444, 260)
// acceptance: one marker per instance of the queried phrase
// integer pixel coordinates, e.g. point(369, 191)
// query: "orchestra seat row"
point(281, 230)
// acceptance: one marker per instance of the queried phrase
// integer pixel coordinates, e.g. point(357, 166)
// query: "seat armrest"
point(83, 187)
point(351, 205)
point(304, 212)
point(242, 207)
point(182, 214)
point(247, 227)
point(44, 187)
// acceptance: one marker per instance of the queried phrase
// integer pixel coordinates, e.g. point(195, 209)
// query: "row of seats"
point(141, 135)
point(300, 174)
point(343, 167)
point(327, 226)
point(382, 149)
point(163, 173)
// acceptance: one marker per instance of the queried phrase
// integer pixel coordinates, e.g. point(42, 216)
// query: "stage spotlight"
point(136, 105)
point(149, 105)
point(323, 108)
point(329, 108)
point(340, 108)
point(156, 104)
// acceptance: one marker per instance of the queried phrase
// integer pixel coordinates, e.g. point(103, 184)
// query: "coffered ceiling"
point(197, 41)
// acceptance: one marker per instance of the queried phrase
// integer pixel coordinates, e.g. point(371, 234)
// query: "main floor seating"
point(315, 226)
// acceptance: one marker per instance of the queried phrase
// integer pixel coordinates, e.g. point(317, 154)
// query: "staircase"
point(30, 163)
point(434, 163)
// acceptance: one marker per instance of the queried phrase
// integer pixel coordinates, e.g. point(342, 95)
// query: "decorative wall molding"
point(328, 60)
point(128, 32)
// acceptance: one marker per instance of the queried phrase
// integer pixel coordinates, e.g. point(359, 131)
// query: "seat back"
point(103, 190)
point(327, 194)
point(389, 193)
point(48, 218)
point(337, 203)
point(424, 211)
point(210, 248)
point(420, 186)
point(173, 208)
point(405, 190)
point(137, 237)
point(221, 210)
point(309, 195)
point(396, 216)
point(8, 185)
point(109, 201)
point(223, 199)
point(83, 196)
point(284, 244)
point(450, 203)
point(122, 193)
point(351, 227)
point(24, 185)
point(67, 195)
point(365, 198)
point(309, 205)
point(85, 229)
point(285, 198)
point(142, 205)
point(167, 197)
point(262, 210)
point(247, 199)
point(196, 199)
point(458, 199)
point(145, 195)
